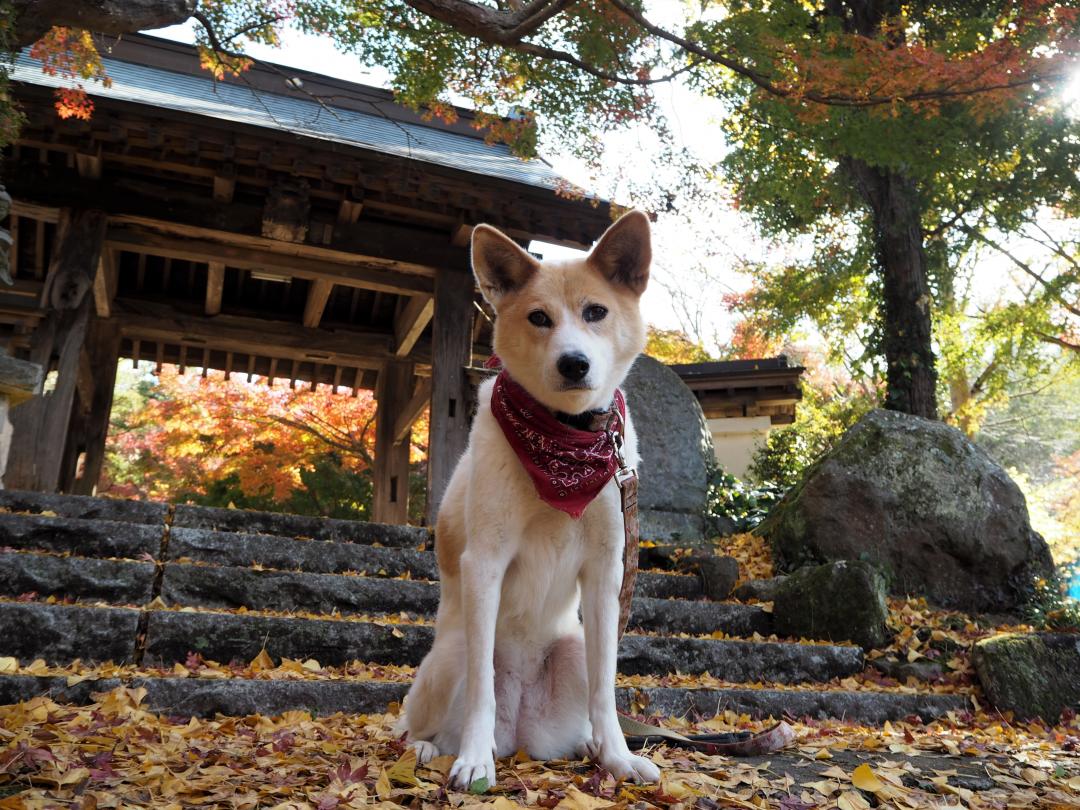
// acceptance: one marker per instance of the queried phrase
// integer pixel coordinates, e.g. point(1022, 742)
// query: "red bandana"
point(568, 466)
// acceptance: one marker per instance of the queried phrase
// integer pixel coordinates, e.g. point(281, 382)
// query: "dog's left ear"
point(624, 252)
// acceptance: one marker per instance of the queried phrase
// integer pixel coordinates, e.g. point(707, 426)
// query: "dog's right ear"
point(500, 265)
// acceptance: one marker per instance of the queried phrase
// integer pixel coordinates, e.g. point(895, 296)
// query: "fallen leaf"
point(864, 778)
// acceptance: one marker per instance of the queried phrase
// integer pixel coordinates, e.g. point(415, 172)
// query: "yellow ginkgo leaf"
point(403, 772)
point(864, 778)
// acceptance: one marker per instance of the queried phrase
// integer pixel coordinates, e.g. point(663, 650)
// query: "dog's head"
point(567, 331)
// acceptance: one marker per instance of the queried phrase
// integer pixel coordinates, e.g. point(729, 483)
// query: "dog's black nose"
point(573, 366)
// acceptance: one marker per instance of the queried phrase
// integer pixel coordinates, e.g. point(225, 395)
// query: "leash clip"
point(625, 472)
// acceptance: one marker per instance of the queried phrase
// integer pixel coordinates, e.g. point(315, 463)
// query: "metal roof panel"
point(203, 96)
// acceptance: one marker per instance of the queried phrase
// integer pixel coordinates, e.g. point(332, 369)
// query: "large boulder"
point(840, 601)
point(1031, 675)
point(676, 452)
point(919, 500)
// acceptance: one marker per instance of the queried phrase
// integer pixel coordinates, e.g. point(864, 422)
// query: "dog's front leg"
point(481, 581)
point(600, 582)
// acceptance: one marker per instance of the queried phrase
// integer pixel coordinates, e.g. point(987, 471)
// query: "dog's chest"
point(542, 577)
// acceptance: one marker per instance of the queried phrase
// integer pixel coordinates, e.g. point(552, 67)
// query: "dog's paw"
point(631, 767)
point(425, 751)
point(474, 773)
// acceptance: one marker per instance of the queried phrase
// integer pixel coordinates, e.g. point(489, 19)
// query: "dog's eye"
point(539, 318)
point(594, 313)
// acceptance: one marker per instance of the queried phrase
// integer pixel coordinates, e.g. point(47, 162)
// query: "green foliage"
point(828, 408)
point(745, 505)
point(1051, 608)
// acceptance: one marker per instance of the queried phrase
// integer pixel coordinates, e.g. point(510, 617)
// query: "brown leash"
point(639, 735)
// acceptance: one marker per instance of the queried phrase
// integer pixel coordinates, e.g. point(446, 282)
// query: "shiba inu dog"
point(530, 529)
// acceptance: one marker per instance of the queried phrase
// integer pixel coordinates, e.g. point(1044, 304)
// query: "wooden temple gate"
point(285, 225)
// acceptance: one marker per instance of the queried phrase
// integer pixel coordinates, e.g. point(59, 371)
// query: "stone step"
point(299, 526)
point(61, 633)
point(84, 507)
point(328, 557)
point(87, 538)
point(240, 697)
point(125, 582)
point(234, 587)
point(101, 538)
point(116, 581)
point(171, 635)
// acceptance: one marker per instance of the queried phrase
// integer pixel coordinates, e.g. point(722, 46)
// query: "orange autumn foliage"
point(193, 432)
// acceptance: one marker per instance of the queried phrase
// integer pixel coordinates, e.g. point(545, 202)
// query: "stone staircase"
point(145, 584)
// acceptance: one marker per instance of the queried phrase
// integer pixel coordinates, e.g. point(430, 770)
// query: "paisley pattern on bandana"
point(567, 466)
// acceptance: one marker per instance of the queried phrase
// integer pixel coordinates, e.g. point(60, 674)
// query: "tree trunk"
point(906, 343)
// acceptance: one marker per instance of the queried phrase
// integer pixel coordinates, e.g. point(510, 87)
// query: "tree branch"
point(33, 18)
point(1027, 268)
point(494, 26)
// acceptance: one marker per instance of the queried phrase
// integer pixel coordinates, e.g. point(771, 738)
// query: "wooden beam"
point(318, 294)
point(40, 427)
point(79, 235)
point(411, 322)
point(461, 235)
point(349, 211)
point(390, 246)
point(224, 188)
point(105, 282)
point(89, 164)
point(451, 393)
point(240, 335)
point(215, 284)
point(141, 240)
point(103, 353)
point(419, 402)
point(391, 498)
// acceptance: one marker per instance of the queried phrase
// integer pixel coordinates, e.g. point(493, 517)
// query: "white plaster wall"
point(736, 438)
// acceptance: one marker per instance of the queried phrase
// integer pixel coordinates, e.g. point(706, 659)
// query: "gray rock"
point(286, 553)
point(698, 618)
point(718, 575)
point(676, 452)
point(918, 499)
point(171, 635)
point(62, 633)
point(840, 601)
point(231, 587)
point(314, 528)
point(87, 538)
point(737, 661)
point(660, 585)
point(113, 581)
point(19, 379)
point(763, 590)
point(84, 506)
point(900, 670)
point(1031, 675)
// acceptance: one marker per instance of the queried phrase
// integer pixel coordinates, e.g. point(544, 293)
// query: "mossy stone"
point(1031, 675)
point(913, 496)
point(840, 601)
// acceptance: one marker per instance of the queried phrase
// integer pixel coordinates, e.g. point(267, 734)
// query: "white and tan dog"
point(512, 667)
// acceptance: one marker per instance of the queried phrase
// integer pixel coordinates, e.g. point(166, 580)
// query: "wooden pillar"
point(392, 391)
point(102, 358)
point(41, 428)
point(451, 394)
